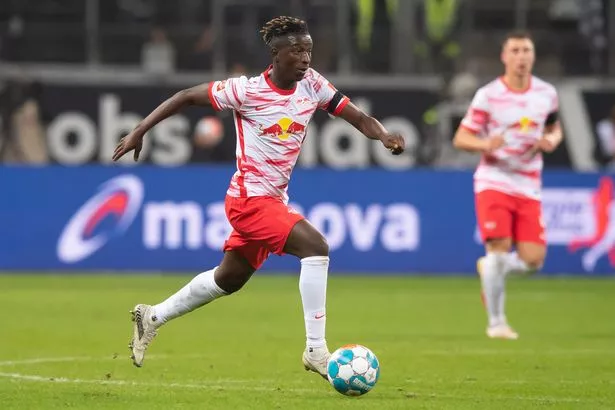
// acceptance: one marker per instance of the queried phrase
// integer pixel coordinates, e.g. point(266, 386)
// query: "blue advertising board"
point(376, 221)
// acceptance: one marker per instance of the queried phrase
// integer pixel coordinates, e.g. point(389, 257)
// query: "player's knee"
point(317, 246)
point(535, 264)
point(231, 281)
point(499, 245)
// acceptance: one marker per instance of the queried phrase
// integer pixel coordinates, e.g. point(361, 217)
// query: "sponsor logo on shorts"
point(491, 225)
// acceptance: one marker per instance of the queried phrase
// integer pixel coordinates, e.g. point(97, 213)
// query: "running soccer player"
point(271, 114)
point(511, 122)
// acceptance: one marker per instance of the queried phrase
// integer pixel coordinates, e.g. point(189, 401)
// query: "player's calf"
point(311, 247)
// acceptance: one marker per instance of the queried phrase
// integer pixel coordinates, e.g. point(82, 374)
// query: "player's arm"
point(468, 140)
point(552, 136)
point(197, 95)
point(372, 128)
point(473, 124)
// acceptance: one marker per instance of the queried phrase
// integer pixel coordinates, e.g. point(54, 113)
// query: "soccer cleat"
point(316, 359)
point(144, 331)
point(502, 332)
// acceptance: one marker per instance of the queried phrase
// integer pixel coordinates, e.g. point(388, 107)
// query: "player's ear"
point(274, 53)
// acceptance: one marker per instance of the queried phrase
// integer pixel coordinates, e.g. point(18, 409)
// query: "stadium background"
point(76, 75)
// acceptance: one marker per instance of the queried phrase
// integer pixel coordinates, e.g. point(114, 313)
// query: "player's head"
point(518, 53)
point(290, 44)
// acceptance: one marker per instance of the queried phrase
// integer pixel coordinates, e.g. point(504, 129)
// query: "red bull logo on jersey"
point(283, 129)
point(526, 125)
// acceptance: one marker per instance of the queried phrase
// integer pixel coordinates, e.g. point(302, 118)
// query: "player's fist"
point(132, 141)
point(544, 145)
point(394, 142)
point(493, 144)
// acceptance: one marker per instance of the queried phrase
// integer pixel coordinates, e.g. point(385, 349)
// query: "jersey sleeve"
point(329, 98)
point(228, 94)
point(477, 116)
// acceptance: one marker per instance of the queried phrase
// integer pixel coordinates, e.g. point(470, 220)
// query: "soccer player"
point(271, 114)
point(511, 122)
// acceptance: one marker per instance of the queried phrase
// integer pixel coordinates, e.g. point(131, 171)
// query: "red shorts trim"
point(501, 215)
point(261, 226)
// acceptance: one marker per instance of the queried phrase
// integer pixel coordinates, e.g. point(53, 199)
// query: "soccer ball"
point(353, 370)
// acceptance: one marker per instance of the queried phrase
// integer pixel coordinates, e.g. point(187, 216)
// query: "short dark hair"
point(517, 34)
point(283, 26)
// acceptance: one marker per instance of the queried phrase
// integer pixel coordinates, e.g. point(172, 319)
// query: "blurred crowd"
point(457, 40)
point(418, 36)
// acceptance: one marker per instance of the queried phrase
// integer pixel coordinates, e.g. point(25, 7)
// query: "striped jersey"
point(271, 125)
point(518, 116)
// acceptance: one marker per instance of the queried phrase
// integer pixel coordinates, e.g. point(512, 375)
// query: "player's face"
point(518, 56)
point(295, 57)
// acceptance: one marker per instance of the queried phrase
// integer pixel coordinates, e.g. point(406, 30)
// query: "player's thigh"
point(494, 215)
point(241, 249)
point(529, 232)
point(305, 240)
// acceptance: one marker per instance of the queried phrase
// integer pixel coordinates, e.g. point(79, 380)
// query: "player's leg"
point(529, 234)
point(279, 229)
point(310, 246)
point(234, 271)
point(494, 212)
point(528, 259)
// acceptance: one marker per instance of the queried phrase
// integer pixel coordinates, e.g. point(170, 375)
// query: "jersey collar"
point(275, 87)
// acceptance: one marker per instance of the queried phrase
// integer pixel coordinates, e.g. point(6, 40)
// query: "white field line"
point(245, 385)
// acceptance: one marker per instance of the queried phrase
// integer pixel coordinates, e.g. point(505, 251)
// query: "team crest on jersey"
point(283, 129)
point(304, 101)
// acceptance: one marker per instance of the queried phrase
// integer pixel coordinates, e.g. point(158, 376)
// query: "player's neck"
point(517, 83)
point(281, 83)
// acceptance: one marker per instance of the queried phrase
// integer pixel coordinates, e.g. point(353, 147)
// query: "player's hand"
point(394, 142)
point(543, 145)
point(132, 141)
point(494, 143)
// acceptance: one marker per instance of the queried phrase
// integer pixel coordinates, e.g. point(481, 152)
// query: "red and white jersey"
point(518, 116)
point(271, 124)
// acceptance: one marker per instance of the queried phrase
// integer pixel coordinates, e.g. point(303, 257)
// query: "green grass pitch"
point(64, 339)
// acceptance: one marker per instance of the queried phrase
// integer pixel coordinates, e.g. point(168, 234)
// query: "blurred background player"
point(271, 115)
point(511, 122)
